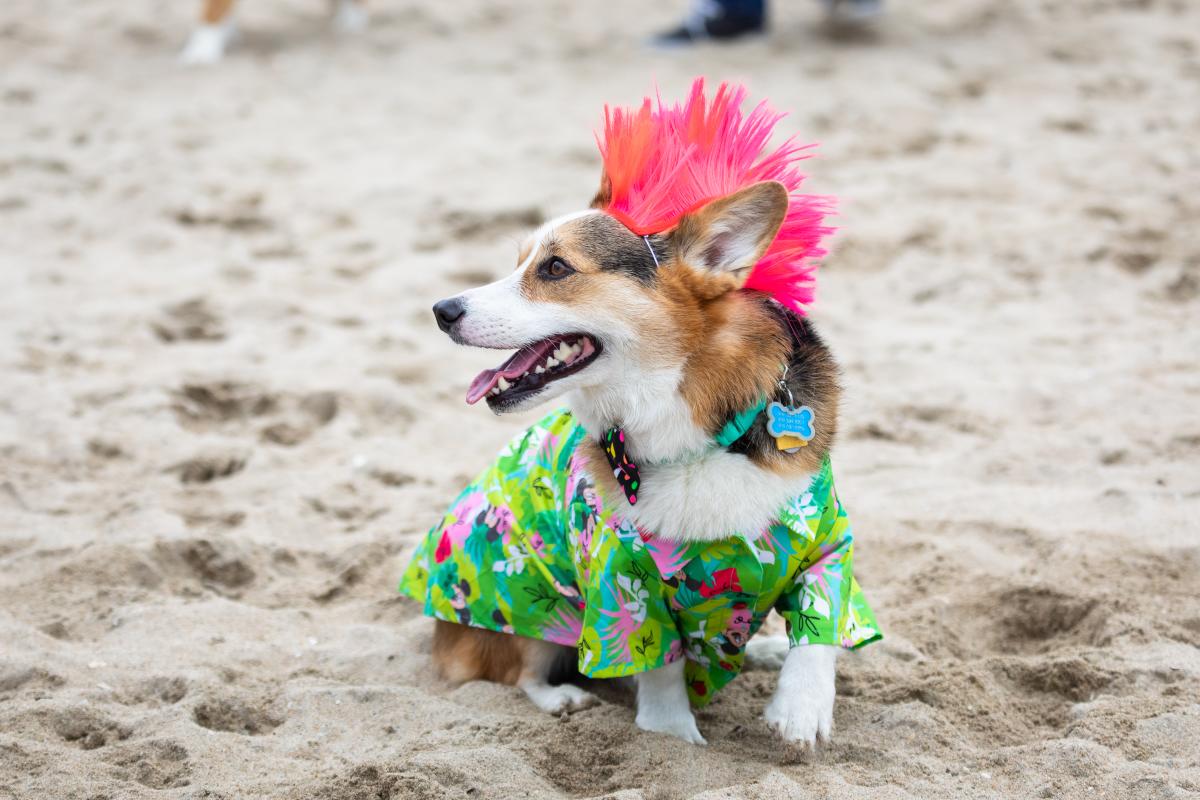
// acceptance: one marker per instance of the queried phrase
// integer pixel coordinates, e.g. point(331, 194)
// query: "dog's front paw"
point(565, 697)
point(680, 725)
point(802, 718)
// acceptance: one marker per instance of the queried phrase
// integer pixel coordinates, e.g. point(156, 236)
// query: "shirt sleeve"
point(825, 604)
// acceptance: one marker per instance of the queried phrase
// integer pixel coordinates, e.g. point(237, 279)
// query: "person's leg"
point(852, 11)
point(350, 16)
point(207, 43)
point(717, 19)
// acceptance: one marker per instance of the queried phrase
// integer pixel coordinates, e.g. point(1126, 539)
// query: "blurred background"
point(226, 413)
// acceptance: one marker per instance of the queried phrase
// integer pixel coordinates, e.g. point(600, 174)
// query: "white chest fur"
point(719, 494)
point(701, 498)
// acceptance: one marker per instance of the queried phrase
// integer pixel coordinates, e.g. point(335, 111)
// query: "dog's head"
point(592, 306)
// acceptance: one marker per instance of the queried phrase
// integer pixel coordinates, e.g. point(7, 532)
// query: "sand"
point(226, 413)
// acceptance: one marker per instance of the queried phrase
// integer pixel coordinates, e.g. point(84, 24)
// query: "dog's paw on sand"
point(801, 719)
point(681, 726)
point(233, 714)
point(156, 764)
point(561, 699)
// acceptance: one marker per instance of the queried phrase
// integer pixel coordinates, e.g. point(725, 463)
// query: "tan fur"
point(590, 285)
point(463, 653)
point(731, 347)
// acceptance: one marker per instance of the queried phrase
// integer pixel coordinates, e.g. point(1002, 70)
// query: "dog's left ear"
point(731, 234)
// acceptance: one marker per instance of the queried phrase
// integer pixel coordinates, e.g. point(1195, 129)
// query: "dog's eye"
point(555, 269)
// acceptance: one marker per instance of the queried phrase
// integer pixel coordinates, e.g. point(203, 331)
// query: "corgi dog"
point(642, 525)
point(208, 42)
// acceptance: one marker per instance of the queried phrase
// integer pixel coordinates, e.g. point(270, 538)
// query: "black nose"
point(448, 312)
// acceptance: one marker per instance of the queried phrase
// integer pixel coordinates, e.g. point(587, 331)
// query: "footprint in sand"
point(160, 690)
point(209, 467)
point(486, 226)
point(157, 764)
point(190, 321)
point(249, 717)
point(88, 728)
point(200, 406)
point(226, 404)
point(217, 565)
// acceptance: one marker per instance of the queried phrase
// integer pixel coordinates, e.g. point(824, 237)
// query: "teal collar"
point(736, 428)
point(628, 474)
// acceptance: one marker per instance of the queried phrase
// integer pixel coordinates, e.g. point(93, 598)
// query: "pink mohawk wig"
point(663, 162)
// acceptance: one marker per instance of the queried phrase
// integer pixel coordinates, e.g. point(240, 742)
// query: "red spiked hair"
point(662, 162)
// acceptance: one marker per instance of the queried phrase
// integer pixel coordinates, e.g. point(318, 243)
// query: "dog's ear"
point(604, 195)
point(731, 234)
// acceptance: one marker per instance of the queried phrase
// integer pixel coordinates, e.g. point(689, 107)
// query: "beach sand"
point(226, 415)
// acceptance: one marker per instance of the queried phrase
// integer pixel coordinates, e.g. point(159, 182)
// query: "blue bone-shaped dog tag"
point(784, 421)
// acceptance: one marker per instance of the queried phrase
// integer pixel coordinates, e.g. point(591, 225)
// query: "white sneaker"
point(350, 17)
point(207, 43)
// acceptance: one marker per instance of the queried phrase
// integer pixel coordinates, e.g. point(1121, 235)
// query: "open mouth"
point(532, 368)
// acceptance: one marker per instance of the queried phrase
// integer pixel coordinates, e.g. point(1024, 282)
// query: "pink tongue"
point(520, 363)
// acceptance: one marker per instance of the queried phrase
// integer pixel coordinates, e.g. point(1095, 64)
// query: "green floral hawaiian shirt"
point(528, 548)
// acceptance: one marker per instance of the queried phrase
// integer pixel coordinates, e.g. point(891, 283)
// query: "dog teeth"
point(503, 384)
point(552, 362)
point(538, 370)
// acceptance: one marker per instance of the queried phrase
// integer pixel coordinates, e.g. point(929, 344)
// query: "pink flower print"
point(592, 498)
point(628, 617)
point(565, 627)
point(464, 514)
point(737, 631)
point(499, 519)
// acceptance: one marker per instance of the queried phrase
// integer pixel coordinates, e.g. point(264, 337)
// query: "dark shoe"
point(708, 21)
